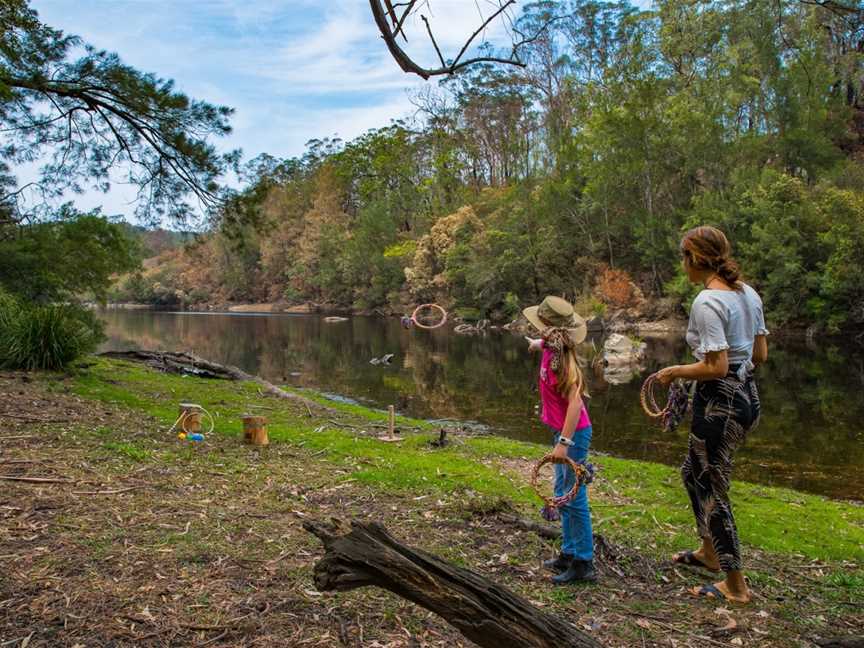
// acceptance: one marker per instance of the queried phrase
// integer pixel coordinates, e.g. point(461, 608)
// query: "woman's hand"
point(534, 344)
point(559, 454)
point(667, 375)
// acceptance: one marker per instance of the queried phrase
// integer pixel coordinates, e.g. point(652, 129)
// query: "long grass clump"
point(48, 337)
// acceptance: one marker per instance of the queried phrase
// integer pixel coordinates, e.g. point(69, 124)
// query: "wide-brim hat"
point(558, 313)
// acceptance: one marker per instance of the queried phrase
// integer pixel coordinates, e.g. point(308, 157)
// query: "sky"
point(293, 70)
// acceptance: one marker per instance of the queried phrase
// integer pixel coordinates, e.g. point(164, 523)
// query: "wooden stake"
point(391, 426)
point(191, 417)
point(255, 430)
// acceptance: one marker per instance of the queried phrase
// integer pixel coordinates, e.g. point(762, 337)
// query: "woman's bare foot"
point(734, 589)
point(697, 558)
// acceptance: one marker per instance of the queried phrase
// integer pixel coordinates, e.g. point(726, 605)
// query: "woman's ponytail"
point(729, 272)
point(707, 248)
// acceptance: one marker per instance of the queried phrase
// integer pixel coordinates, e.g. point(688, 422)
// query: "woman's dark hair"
point(707, 248)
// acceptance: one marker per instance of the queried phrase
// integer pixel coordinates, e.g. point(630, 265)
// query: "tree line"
point(624, 128)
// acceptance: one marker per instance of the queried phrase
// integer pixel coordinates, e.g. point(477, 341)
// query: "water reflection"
point(810, 437)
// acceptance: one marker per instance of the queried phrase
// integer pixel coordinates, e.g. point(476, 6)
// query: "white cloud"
point(293, 69)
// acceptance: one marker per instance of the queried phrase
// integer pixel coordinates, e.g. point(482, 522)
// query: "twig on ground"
point(37, 480)
point(107, 492)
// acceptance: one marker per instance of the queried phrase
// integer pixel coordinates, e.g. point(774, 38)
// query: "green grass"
point(650, 508)
point(369, 414)
point(127, 450)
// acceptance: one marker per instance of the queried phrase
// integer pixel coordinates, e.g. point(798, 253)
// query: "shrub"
point(45, 337)
point(615, 287)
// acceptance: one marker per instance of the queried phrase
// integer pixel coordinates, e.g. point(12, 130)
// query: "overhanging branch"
point(392, 28)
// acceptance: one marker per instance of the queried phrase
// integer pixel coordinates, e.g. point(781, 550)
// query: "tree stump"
point(255, 430)
point(483, 611)
point(190, 417)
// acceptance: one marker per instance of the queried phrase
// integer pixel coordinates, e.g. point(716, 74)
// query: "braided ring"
point(582, 476)
point(649, 401)
point(426, 307)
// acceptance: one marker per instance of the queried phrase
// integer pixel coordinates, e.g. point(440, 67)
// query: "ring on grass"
point(422, 316)
point(584, 475)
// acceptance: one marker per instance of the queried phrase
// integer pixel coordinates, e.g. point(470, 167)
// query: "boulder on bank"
point(622, 358)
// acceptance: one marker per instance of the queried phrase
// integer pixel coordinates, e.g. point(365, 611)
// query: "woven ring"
point(648, 400)
point(426, 326)
point(581, 478)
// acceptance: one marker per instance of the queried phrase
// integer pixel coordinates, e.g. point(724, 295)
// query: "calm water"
point(811, 436)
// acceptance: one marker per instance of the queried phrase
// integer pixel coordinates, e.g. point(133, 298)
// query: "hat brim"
point(578, 333)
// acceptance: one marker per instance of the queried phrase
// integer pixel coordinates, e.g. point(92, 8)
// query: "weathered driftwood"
point(484, 612)
point(841, 642)
point(190, 364)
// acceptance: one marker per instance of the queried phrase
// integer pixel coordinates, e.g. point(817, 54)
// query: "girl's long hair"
point(569, 374)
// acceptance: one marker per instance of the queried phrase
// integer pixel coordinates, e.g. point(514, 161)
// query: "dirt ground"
point(114, 543)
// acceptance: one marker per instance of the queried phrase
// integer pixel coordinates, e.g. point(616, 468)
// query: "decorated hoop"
point(675, 409)
point(424, 307)
point(648, 400)
point(583, 476)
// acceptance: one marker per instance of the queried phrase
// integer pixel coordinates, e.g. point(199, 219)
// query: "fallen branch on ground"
point(543, 530)
point(36, 480)
point(107, 492)
point(190, 364)
point(483, 611)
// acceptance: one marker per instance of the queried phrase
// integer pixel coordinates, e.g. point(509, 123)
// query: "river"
point(811, 436)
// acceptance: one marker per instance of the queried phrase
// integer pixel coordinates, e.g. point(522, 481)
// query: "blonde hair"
point(569, 375)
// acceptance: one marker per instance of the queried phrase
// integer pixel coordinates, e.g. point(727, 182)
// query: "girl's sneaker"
point(579, 571)
point(558, 564)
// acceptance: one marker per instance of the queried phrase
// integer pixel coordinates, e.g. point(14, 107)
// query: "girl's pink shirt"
point(554, 406)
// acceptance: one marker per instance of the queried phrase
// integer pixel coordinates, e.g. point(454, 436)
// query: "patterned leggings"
point(724, 411)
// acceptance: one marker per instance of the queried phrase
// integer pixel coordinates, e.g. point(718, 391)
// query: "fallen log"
point(841, 642)
point(483, 611)
point(190, 364)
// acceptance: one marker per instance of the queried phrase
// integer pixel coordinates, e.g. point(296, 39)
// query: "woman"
point(562, 388)
point(728, 337)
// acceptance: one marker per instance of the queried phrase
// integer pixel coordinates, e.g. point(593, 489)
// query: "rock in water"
point(621, 358)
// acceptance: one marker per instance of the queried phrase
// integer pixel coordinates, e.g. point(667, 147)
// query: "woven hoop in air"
point(423, 307)
point(582, 476)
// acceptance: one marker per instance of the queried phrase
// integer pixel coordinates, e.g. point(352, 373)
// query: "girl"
point(727, 334)
point(564, 412)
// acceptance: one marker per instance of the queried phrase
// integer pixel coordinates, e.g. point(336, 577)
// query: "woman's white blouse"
point(726, 320)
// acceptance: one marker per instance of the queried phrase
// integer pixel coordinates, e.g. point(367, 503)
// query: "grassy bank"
point(769, 518)
point(200, 534)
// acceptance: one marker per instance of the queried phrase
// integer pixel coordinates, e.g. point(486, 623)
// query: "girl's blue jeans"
point(576, 533)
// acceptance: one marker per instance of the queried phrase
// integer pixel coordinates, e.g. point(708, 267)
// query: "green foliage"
point(45, 337)
point(97, 115)
point(71, 255)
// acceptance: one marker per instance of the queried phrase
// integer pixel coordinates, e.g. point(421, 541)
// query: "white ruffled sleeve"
point(709, 324)
point(760, 317)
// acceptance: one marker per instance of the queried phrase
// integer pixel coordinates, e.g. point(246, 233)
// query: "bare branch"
point(485, 24)
point(390, 33)
point(432, 37)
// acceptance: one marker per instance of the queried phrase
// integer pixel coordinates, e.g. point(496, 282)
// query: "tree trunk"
point(484, 612)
